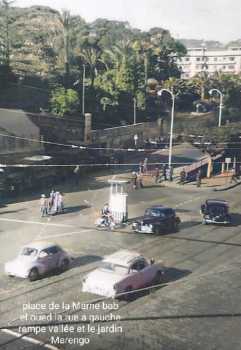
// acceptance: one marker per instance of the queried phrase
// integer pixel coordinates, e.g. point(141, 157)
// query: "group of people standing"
point(184, 175)
point(54, 204)
point(163, 173)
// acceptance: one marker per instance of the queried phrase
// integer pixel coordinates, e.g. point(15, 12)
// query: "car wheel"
point(204, 222)
point(128, 297)
point(33, 274)
point(64, 265)
point(175, 227)
point(156, 230)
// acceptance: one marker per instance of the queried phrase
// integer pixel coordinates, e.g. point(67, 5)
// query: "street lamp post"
point(172, 123)
point(220, 104)
point(134, 116)
point(83, 91)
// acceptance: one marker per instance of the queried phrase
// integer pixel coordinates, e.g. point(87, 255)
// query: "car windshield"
point(114, 267)
point(217, 209)
point(27, 251)
point(154, 212)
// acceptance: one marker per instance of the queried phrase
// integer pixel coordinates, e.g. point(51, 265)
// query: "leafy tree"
point(90, 53)
point(5, 36)
point(64, 101)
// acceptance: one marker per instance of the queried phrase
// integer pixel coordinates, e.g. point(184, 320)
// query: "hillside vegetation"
point(46, 54)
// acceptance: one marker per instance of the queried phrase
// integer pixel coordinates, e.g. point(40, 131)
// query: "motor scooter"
point(105, 222)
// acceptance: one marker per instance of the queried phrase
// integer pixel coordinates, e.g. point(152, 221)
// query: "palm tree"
point(90, 53)
point(6, 41)
point(118, 53)
point(64, 19)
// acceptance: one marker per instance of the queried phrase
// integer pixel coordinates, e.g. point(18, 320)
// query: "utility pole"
point(83, 91)
point(134, 116)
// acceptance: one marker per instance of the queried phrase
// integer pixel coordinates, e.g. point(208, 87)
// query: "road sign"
point(228, 160)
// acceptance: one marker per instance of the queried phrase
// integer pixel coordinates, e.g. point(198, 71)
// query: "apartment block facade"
point(199, 60)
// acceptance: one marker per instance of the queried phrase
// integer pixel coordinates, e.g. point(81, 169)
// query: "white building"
point(201, 59)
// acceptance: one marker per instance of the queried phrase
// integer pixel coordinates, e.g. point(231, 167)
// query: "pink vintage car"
point(122, 272)
point(37, 259)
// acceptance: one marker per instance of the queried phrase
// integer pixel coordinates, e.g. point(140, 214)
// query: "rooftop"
point(40, 244)
point(216, 201)
point(122, 257)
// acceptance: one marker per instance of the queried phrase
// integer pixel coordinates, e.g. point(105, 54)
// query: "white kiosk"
point(118, 200)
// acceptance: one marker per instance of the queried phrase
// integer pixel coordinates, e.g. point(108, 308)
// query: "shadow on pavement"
point(75, 209)
point(153, 186)
point(12, 211)
point(188, 224)
point(236, 219)
point(90, 182)
point(189, 239)
point(172, 274)
point(182, 210)
point(85, 260)
point(131, 220)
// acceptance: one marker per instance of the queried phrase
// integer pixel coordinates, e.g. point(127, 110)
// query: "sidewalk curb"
point(227, 187)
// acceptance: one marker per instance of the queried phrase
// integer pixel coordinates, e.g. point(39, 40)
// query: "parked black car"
point(157, 219)
point(215, 211)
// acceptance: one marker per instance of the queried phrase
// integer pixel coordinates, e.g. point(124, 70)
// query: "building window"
point(198, 59)
point(224, 67)
point(187, 59)
point(232, 58)
point(215, 59)
point(231, 67)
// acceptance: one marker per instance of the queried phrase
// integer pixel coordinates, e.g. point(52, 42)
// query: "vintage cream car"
point(122, 272)
point(37, 259)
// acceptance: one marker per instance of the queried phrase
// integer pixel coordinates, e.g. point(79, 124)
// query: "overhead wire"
point(130, 149)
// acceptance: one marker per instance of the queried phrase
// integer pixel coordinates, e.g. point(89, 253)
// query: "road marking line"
point(35, 222)
point(61, 234)
point(187, 201)
point(29, 339)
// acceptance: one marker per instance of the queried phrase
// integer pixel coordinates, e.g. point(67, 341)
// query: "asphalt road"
point(198, 306)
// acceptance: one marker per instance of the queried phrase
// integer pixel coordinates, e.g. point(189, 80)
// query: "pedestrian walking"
point(134, 180)
point(76, 174)
point(141, 167)
point(234, 177)
point(51, 200)
point(165, 172)
point(145, 165)
point(60, 204)
point(43, 205)
point(157, 175)
point(168, 174)
point(198, 178)
point(182, 177)
point(139, 181)
point(55, 204)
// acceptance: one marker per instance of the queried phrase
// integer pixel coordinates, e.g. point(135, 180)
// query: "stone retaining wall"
point(123, 136)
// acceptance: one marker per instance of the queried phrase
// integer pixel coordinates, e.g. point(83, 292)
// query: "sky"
point(191, 19)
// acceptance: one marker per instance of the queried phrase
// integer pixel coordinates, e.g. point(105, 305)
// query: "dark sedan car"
point(157, 219)
point(215, 211)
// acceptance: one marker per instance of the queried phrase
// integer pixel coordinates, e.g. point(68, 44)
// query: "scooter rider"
point(106, 214)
